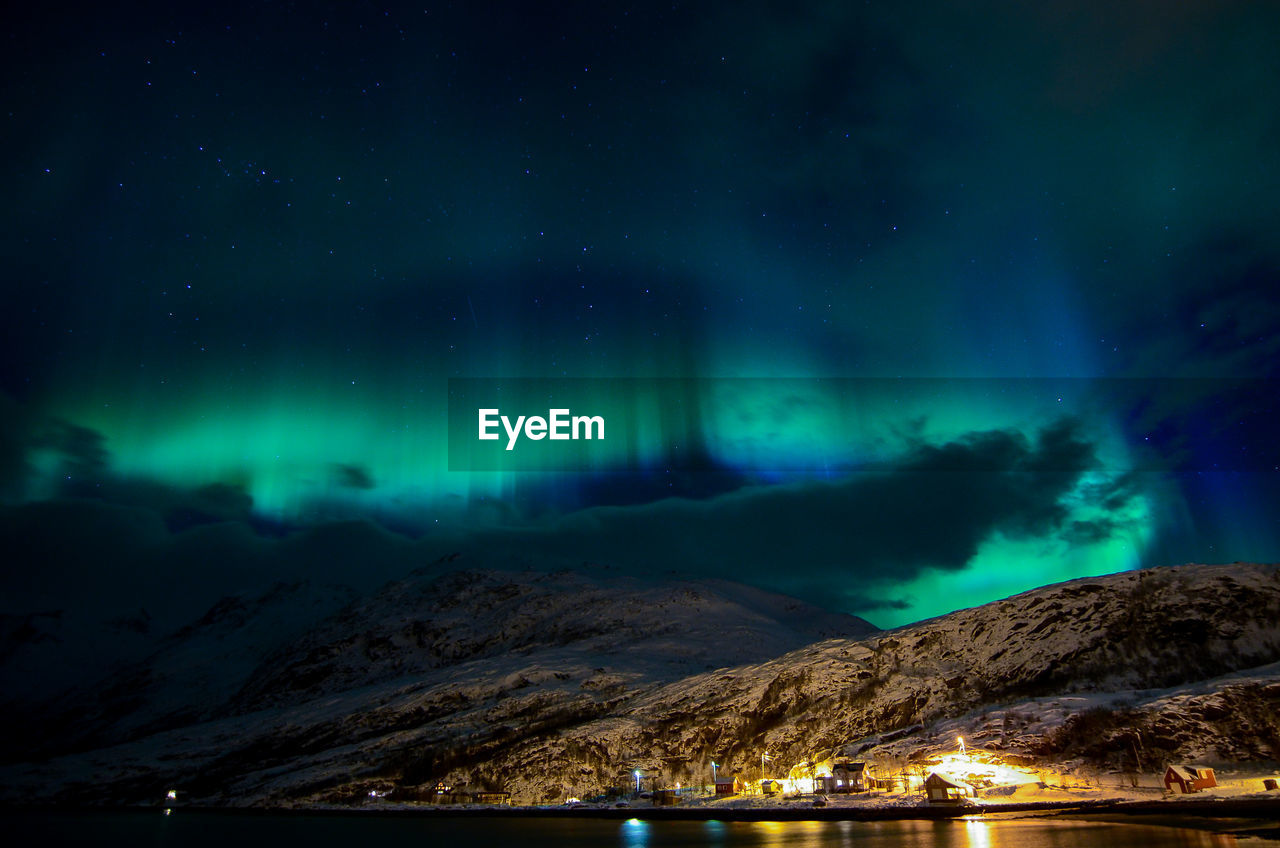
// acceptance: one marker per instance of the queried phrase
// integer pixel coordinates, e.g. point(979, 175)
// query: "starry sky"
point(248, 245)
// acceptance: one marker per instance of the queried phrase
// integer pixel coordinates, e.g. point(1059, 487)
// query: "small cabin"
point(666, 798)
point(845, 777)
point(502, 798)
point(941, 789)
point(445, 793)
point(769, 786)
point(729, 785)
point(1189, 779)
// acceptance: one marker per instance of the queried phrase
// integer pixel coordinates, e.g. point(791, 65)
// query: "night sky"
point(246, 247)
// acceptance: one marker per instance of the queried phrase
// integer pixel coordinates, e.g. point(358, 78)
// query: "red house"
point(729, 785)
point(1189, 778)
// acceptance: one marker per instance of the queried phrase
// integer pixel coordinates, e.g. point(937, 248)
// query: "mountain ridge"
point(535, 691)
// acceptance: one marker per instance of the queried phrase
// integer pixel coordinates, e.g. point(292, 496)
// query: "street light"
point(713, 776)
point(637, 772)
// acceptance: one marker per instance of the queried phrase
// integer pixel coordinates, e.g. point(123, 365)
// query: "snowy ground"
point(1237, 784)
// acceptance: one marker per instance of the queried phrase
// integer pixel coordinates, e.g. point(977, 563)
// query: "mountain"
point(426, 623)
point(48, 650)
point(466, 633)
point(188, 677)
point(549, 685)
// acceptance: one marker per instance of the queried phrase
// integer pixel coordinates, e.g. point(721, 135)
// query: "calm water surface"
point(194, 830)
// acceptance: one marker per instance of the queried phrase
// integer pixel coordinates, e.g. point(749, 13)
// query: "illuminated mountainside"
point(556, 685)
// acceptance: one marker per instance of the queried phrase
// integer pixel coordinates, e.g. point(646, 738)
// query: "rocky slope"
point(1146, 630)
point(557, 685)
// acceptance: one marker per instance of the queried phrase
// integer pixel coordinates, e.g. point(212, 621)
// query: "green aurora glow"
point(248, 253)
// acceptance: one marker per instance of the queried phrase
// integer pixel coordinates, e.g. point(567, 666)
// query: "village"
point(959, 778)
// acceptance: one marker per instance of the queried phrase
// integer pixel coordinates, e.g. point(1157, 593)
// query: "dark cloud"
point(82, 451)
point(74, 458)
point(1058, 447)
point(98, 560)
point(822, 540)
point(211, 504)
point(121, 544)
point(871, 604)
point(97, 546)
point(1091, 532)
point(351, 477)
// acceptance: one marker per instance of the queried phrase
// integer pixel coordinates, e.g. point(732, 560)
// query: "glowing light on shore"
point(980, 769)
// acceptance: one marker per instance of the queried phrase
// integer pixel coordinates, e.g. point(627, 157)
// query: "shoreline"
point(1248, 808)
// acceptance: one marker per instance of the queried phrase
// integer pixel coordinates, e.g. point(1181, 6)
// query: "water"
point(190, 829)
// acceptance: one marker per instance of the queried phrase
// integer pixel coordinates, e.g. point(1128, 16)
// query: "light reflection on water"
point(635, 833)
point(189, 829)
point(978, 833)
point(972, 832)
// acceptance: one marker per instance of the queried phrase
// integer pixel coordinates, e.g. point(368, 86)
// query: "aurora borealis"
point(248, 246)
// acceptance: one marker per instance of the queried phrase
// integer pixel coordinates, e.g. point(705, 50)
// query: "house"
point(729, 785)
point(1189, 778)
point(503, 798)
point(941, 789)
point(443, 793)
point(665, 798)
point(845, 777)
point(769, 786)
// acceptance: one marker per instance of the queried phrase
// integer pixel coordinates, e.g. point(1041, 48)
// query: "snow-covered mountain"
point(300, 641)
point(661, 631)
point(188, 677)
point(549, 685)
